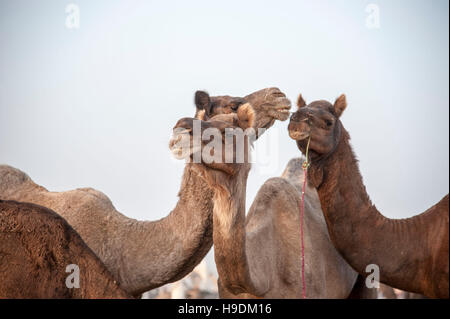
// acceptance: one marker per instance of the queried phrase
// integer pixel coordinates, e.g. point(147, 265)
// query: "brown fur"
point(36, 246)
point(413, 253)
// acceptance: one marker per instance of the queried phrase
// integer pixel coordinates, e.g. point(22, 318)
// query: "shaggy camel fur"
point(259, 256)
point(36, 246)
point(412, 254)
point(143, 255)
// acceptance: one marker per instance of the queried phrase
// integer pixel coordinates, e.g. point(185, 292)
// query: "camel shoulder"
point(294, 171)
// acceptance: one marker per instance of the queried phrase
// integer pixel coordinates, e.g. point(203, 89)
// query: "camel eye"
point(236, 105)
point(328, 123)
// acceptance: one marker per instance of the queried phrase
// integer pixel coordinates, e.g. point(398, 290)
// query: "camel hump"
point(43, 244)
point(11, 178)
point(32, 216)
point(99, 197)
point(277, 194)
point(293, 171)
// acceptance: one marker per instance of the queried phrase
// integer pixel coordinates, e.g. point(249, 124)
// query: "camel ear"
point(201, 115)
point(300, 101)
point(246, 116)
point(340, 104)
point(202, 101)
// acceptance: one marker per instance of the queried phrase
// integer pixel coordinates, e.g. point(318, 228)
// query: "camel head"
point(207, 106)
point(220, 143)
point(320, 122)
point(269, 104)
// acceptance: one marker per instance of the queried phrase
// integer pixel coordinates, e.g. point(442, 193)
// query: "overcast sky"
point(94, 106)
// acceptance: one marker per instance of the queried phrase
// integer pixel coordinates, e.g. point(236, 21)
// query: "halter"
point(305, 166)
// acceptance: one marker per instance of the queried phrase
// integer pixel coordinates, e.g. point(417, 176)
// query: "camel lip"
point(281, 113)
point(180, 144)
point(177, 141)
point(285, 111)
point(182, 152)
point(298, 136)
point(284, 108)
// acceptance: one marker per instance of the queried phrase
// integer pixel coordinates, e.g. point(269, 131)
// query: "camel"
point(259, 256)
point(36, 246)
point(412, 254)
point(143, 255)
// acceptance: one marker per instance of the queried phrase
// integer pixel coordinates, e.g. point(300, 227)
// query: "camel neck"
point(162, 251)
point(229, 236)
point(359, 232)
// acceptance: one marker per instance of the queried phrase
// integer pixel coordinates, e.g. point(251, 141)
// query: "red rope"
point(305, 169)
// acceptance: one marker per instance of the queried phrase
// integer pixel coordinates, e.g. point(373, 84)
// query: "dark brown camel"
point(36, 246)
point(413, 253)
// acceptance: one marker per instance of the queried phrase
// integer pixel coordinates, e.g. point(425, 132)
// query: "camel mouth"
point(281, 113)
point(181, 153)
point(286, 109)
point(286, 112)
point(180, 144)
point(298, 136)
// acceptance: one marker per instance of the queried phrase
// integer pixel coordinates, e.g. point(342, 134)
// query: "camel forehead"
point(265, 94)
point(228, 118)
point(321, 106)
point(225, 100)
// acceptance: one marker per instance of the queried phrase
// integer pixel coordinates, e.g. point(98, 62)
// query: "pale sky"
point(95, 106)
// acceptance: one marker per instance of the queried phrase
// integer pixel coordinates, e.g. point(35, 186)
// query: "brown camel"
point(36, 246)
point(259, 256)
point(412, 254)
point(143, 255)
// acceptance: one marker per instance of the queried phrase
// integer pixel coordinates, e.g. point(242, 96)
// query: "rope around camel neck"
point(305, 174)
